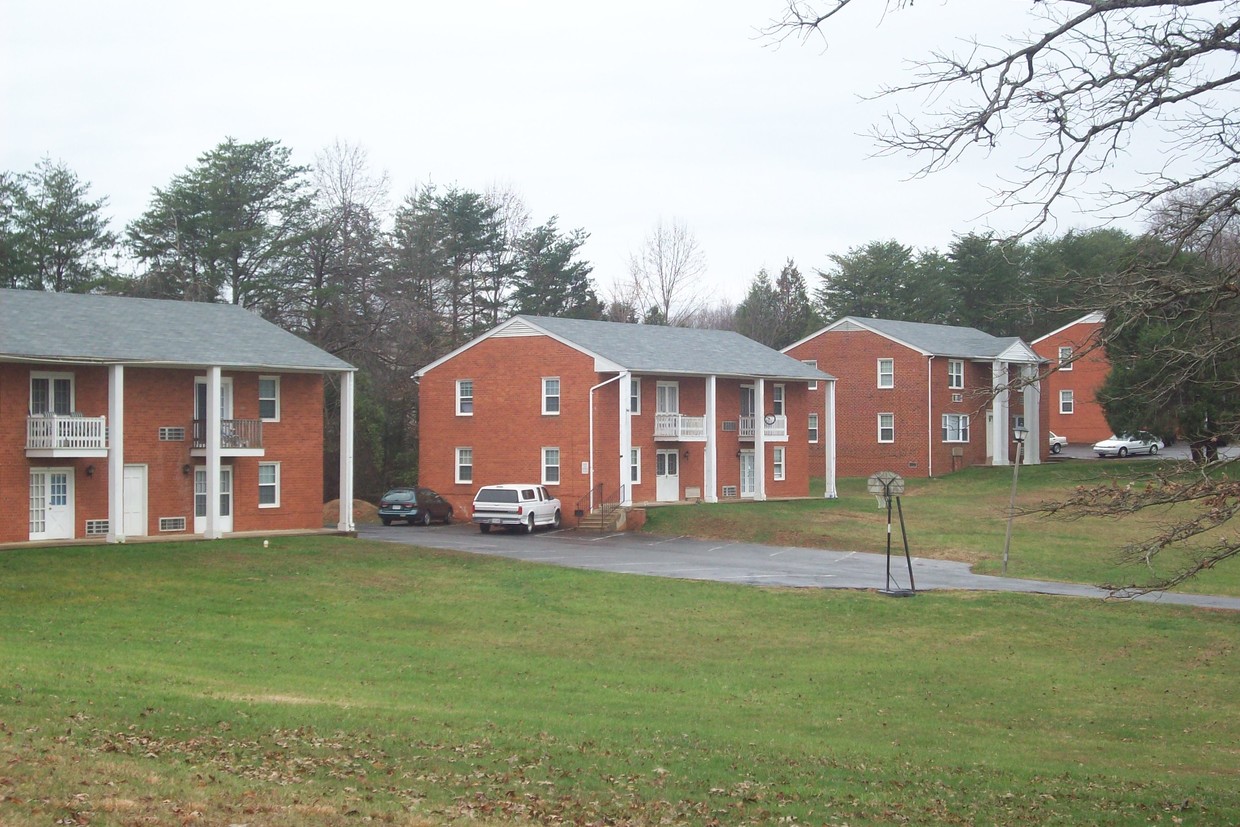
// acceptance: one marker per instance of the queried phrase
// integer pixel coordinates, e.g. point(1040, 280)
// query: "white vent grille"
point(729, 425)
point(957, 397)
point(171, 523)
point(96, 528)
point(517, 328)
point(729, 491)
point(848, 327)
point(169, 434)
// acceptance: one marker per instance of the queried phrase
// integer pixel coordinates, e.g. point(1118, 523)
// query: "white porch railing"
point(61, 432)
point(674, 426)
point(776, 429)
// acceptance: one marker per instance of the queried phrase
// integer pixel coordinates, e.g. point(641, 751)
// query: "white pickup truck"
point(515, 506)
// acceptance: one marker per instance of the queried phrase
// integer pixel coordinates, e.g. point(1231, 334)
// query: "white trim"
point(813, 363)
point(779, 405)
point(524, 326)
point(51, 377)
point(779, 467)
point(460, 398)
point(276, 484)
point(961, 420)
point(344, 520)
point(879, 429)
point(710, 457)
point(456, 465)
point(276, 380)
point(116, 455)
point(559, 460)
point(1096, 317)
point(829, 490)
point(1071, 400)
point(1062, 362)
point(853, 320)
point(950, 363)
point(635, 466)
point(815, 428)
point(635, 392)
point(558, 395)
point(878, 367)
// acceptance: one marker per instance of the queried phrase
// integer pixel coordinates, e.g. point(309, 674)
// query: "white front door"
point(134, 523)
point(51, 504)
point(200, 500)
point(748, 483)
point(667, 475)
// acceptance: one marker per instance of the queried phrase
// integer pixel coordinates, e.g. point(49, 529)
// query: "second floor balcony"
point(675, 427)
point(238, 438)
point(66, 435)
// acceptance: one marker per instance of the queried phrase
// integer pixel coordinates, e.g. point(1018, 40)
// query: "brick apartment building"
point(123, 417)
point(924, 400)
point(1080, 366)
point(608, 412)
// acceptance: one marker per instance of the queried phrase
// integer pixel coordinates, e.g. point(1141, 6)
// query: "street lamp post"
point(1018, 434)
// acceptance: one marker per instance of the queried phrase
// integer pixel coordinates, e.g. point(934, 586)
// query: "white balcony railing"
point(773, 427)
point(676, 427)
point(66, 433)
point(235, 435)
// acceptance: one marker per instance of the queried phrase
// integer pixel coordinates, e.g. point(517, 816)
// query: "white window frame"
point(813, 363)
point(777, 400)
point(547, 464)
point(461, 398)
point(635, 466)
point(961, 422)
point(670, 389)
point(458, 465)
point(635, 396)
point(777, 463)
point(52, 377)
point(955, 374)
point(1067, 402)
point(813, 428)
point(1065, 357)
point(891, 427)
point(547, 396)
point(276, 398)
point(890, 373)
point(274, 485)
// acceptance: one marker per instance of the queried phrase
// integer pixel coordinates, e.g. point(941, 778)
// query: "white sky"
point(609, 115)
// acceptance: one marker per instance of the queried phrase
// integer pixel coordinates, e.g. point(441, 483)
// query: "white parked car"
point(515, 506)
point(1056, 442)
point(1122, 446)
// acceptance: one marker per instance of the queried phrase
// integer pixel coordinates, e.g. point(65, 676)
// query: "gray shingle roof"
point(91, 328)
point(683, 350)
point(941, 339)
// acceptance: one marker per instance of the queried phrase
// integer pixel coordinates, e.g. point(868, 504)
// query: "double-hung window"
point(1065, 358)
point(269, 485)
point(551, 466)
point(464, 397)
point(464, 465)
point(813, 427)
point(886, 373)
point(886, 427)
point(777, 463)
point(635, 396)
point(551, 395)
point(635, 466)
point(777, 400)
point(955, 428)
point(1066, 402)
point(813, 363)
point(269, 398)
point(955, 374)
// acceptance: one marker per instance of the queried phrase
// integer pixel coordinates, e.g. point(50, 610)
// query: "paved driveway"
point(744, 563)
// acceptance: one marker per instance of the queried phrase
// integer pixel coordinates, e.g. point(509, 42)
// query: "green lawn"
point(962, 516)
point(330, 681)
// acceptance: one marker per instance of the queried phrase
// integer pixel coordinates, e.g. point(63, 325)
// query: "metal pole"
point(907, 559)
point(1007, 540)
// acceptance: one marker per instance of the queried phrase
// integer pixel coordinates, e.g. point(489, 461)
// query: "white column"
point(1034, 443)
point(212, 423)
point(710, 461)
point(828, 440)
point(759, 439)
point(116, 454)
point(1000, 412)
point(626, 438)
point(345, 523)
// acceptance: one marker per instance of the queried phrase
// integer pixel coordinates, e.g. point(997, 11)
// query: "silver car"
point(1122, 446)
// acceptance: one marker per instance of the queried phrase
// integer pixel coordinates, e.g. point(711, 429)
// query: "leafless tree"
point(665, 275)
point(1089, 85)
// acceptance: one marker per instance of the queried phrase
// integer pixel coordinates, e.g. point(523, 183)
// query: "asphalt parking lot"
point(638, 553)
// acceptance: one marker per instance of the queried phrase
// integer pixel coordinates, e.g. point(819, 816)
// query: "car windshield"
point(400, 495)
point(496, 495)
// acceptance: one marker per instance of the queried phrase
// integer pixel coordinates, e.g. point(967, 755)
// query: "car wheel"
point(555, 522)
point(386, 520)
point(1122, 452)
point(485, 529)
point(426, 518)
point(1153, 449)
point(447, 518)
point(529, 525)
point(1056, 448)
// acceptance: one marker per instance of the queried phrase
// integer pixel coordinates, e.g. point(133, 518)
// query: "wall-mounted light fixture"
point(686, 453)
point(90, 470)
point(185, 469)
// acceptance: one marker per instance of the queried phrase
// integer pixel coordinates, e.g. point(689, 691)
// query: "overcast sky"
point(610, 116)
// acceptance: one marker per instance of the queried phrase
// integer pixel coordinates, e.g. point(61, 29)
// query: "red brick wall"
point(156, 398)
point(1087, 423)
